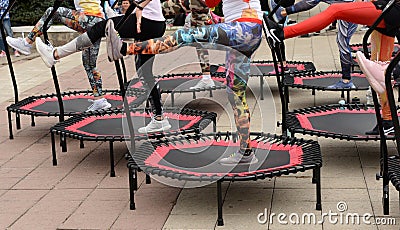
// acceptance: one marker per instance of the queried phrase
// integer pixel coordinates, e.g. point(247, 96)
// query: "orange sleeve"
point(212, 3)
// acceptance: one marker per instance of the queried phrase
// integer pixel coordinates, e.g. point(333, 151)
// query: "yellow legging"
point(381, 50)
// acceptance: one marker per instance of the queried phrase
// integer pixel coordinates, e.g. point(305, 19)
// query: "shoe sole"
point(110, 38)
point(18, 49)
point(108, 42)
point(42, 54)
point(377, 86)
point(163, 129)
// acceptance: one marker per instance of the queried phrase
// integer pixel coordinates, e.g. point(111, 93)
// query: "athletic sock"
point(78, 44)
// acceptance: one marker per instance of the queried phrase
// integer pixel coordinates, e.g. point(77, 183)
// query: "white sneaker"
point(46, 52)
point(155, 126)
point(113, 41)
point(99, 104)
point(19, 44)
point(204, 84)
point(238, 158)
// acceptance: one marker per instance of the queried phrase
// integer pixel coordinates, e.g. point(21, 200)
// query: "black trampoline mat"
point(359, 82)
point(76, 105)
point(113, 126)
point(206, 160)
point(344, 123)
point(181, 84)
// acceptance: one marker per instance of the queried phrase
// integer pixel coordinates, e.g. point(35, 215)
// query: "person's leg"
point(363, 13)
point(2, 46)
point(237, 74)
point(9, 33)
point(200, 16)
point(95, 33)
point(344, 34)
point(237, 77)
point(384, 49)
point(381, 50)
point(68, 17)
point(144, 66)
point(89, 61)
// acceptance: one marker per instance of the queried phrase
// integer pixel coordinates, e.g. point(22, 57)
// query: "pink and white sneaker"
point(374, 71)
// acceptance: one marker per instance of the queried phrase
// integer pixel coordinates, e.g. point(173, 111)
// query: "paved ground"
point(79, 194)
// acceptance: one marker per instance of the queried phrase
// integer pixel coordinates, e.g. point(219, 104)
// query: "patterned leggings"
point(79, 22)
point(243, 37)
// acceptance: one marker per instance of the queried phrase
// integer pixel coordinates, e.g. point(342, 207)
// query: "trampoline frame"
point(173, 92)
point(294, 126)
point(311, 153)
point(61, 129)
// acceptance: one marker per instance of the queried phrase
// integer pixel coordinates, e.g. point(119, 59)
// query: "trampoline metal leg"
point(63, 143)
point(18, 120)
point(286, 90)
point(220, 221)
point(53, 148)
point(81, 144)
point(314, 176)
point(287, 97)
point(194, 95)
point(148, 179)
point(211, 94)
point(10, 128)
point(132, 186)
point(172, 99)
point(385, 199)
point(33, 121)
point(214, 124)
point(348, 96)
point(261, 87)
point(112, 172)
point(318, 188)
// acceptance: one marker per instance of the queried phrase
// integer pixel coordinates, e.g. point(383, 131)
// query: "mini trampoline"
point(266, 68)
point(107, 126)
point(355, 120)
point(75, 102)
point(59, 104)
point(322, 79)
point(195, 158)
point(181, 83)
